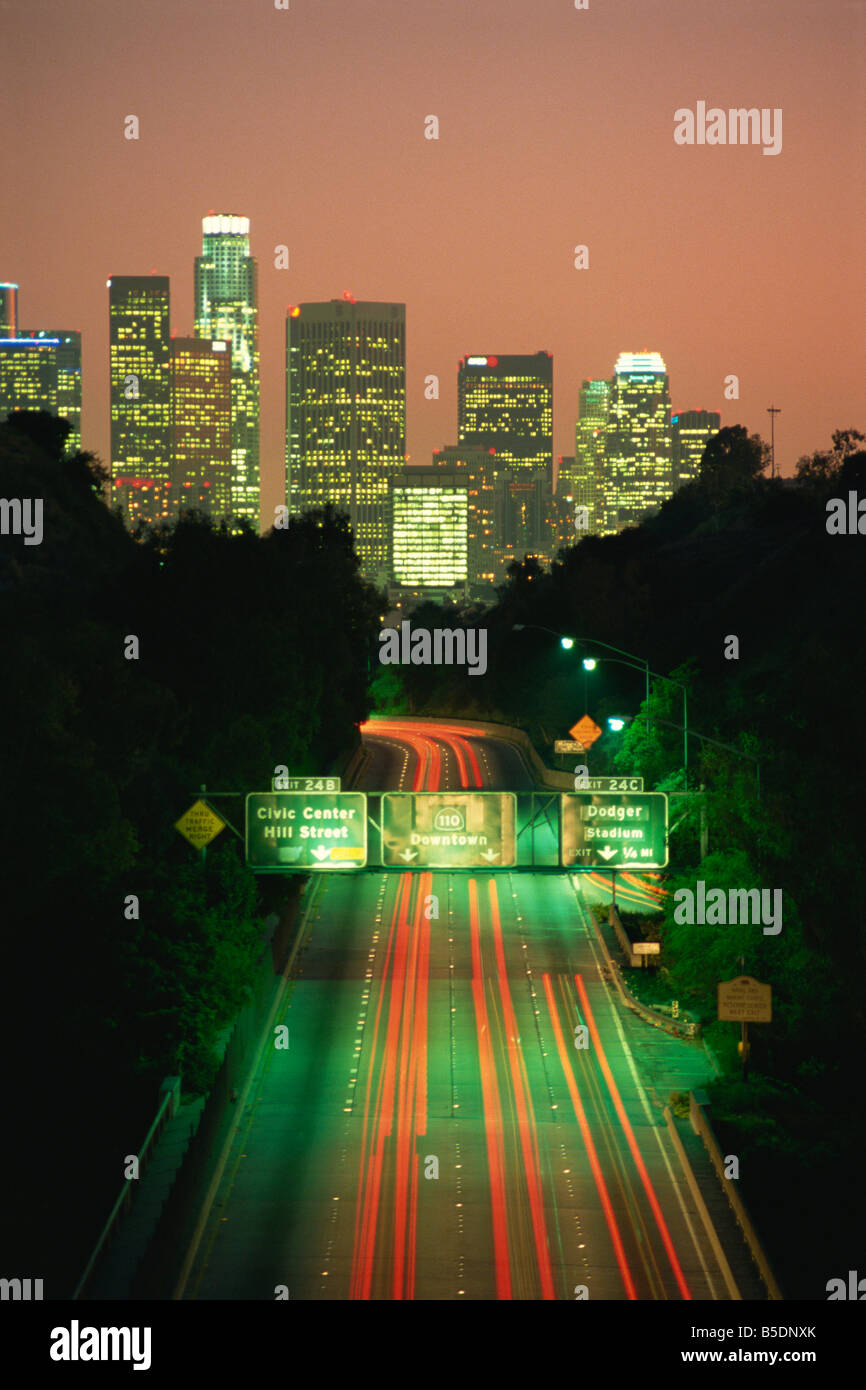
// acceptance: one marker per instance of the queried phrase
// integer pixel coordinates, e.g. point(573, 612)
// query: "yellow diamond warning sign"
point(199, 825)
point(585, 731)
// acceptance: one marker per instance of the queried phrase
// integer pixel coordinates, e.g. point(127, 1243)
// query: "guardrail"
point(701, 1126)
point(170, 1091)
point(703, 1211)
point(686, 1028)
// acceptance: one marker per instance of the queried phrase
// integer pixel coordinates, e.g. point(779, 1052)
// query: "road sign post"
point(199, 825)
point(744, 1001)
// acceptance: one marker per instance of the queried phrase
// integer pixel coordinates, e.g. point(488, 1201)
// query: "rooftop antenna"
point(773, 411)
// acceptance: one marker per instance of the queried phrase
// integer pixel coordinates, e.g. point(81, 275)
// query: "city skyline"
point(711, 255)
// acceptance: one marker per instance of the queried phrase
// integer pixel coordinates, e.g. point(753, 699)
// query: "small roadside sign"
point(745, 1000)
point(199, 825)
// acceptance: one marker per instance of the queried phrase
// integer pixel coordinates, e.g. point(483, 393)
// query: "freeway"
point(432, 1130)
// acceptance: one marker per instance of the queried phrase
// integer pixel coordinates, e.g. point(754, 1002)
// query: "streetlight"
point(568, 642)
point(616, 725)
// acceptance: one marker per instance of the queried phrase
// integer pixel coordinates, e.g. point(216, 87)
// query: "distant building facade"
point(8, 309)
point(691, 430)
point(505, 403)
point(28, 375)
point(201, 426)
point(478, 468)
point(226, 308)
point(140, 393)
point(346, 416)
point(47, 377)
point(68, 357)
point(429, 530)
point(637, 461)
point(588, 485)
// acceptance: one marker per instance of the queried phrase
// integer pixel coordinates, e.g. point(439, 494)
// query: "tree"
point(822, 469)
point(732, 460)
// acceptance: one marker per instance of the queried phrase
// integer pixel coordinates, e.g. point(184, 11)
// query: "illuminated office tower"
point(201, 425)
point(691, 430)
point(8, 310)
point(478, 468)
point(506, 404)
point(28, 375)
point(68, 356)
point(226, 306)
point(429, 529)
point(140, 380)
point(346, 416)
point(587, 481)
point(637, 464)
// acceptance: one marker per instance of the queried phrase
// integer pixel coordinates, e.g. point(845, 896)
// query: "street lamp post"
point(685, 724)
point(729, 748)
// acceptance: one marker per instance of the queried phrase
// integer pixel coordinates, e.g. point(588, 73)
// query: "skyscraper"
point(49, 379)
point(68, 357)
point(506, 404)
point(587, 480)
point(637, 464)
point(691, 429)
point(8, 309)
point(346, 415)
point(28, 375)
point(201, 425)
point(140, 376)
point(226, 307)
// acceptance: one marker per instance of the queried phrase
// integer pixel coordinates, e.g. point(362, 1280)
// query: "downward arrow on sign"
point(607, 852)
point(408, 854)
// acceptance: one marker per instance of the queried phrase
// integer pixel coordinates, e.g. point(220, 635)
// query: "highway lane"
point(432, 1131)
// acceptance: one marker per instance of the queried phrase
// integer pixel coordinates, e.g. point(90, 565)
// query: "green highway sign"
point(613, 830)
point(449, 830)
point(306, 831)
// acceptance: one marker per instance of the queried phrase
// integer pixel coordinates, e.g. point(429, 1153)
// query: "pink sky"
point(556, 128)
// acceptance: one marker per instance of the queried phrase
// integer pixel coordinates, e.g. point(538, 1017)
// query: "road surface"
point(432, 1130)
